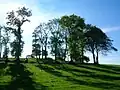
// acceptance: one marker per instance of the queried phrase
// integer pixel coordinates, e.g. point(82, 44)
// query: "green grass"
point(33, 76)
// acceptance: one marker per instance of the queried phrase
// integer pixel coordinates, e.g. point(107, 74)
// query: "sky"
point(103, 13)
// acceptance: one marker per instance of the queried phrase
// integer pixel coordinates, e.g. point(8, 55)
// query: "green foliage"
point(0, 40)
point(36, 49)
point(35, 44)
point(5, 42)
point(97, 41)
point(41, 34)
point(67, 36)
point(14, 45)
point(75, 26)
point(15, 20)
point(56, 39)
point(43, 30)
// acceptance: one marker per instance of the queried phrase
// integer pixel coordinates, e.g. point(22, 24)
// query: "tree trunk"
point(65, 48)
point(71, 58)
point(0, 44)
point(65, 53)
point(59, 54)
point(97, 62)
point(82, 61)
point(46, 48)
point(55, 54)
point(17, 60)
point(0, 54)
point(93, 56)
point(39, 56)
point(19, 46)
point(35, 46)
point(45, 52)
point(42, 52)
point(56, 51)
point(6, 61)
point(39, 51)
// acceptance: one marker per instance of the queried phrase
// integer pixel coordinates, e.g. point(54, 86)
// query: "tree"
point(6, 41)
point(35, 44)
point(46, 31)
point(65, 34)
point(56, 40)
point(75, 26)
point(97, 41)
point(43, 30)
point(15, 20)
point(0, 41)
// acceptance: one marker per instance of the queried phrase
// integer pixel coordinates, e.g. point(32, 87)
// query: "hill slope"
point(59, 77)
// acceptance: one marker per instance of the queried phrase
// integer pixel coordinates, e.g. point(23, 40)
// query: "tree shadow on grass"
point(110, 67)
point(21, 79)
point(2, 67)
point(102, 68)
point(87, 73)
point(109, 76)
point(100, 84)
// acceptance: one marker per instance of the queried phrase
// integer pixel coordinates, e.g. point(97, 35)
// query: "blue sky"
point(102, 13)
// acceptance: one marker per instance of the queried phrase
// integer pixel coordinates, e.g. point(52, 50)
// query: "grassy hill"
point(33, 76)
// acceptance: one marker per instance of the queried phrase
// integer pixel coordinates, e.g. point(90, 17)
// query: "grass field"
point(33, 76)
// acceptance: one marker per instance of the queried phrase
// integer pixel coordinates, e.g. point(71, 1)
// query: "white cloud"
point(111, 29)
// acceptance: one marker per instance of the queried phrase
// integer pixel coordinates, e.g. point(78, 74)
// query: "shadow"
point(2, 67)
point(21, 79)
point(99, 68)
point(114, 68)
point(32, 62)
point(11, 61)
point(88, 73)
point(101, 84)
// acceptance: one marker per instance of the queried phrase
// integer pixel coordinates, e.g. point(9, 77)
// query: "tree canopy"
point(68, 36)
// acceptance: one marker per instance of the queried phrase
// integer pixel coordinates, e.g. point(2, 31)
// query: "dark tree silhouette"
point(6, 41)
point(43, 32)
point(0, 41)
point(97, 41)
point(56, 39)
point(35, 44)
point(75, 26)
point(15, 20)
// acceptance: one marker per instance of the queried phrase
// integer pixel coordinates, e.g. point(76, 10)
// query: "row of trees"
point(66, 36)
point(70, 36)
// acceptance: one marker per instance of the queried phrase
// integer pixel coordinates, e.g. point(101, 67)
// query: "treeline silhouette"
point(65, 37)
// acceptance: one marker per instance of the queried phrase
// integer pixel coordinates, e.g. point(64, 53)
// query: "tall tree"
point(35, 44)
point(56, 40)
point(75, 26)
point(46, 31)
point(6, 41)
point(65, 34)
point(43, 30)
point(0, 41)
point(40, 28)
point(97, 41)
point(16, 19)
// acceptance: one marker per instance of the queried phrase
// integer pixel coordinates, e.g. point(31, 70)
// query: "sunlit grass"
point(33, 76)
